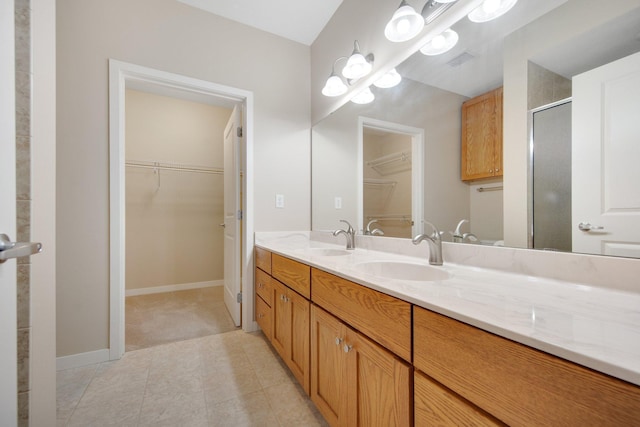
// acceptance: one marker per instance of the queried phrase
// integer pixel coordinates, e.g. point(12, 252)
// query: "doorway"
point(128, 76)
point(175, 196)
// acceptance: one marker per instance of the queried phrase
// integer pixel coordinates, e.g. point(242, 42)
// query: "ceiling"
point(297, 20)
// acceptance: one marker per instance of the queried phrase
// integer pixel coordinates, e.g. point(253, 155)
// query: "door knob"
point(585, 226)
point(9, 249)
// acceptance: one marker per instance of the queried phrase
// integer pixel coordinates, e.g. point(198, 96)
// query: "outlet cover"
point(279, 201)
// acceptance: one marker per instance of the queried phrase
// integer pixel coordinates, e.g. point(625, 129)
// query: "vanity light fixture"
point(390, 79)
point(334, 85)
point(441, 43)
point(491, 9)
point(405, 24)
point(445, 1)
point(363, 97)
point(357, 65)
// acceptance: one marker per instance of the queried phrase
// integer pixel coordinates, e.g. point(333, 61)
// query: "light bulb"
point(403, 26)
point(390, 79)
point(438, 41)
point(490, 6)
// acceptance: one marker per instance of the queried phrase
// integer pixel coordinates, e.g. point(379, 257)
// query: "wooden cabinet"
point(435, 405)
point(383, 318)
point(283, 314)
point(290, 337)
point(515, 383)
point(482, 136)
point(292, 273)
point(354, 381)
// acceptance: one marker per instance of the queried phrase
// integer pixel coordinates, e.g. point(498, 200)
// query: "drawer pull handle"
point(347, 348)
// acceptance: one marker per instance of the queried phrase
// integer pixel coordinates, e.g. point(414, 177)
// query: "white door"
point(605, 153)
point(231, 215)
point(8, 332)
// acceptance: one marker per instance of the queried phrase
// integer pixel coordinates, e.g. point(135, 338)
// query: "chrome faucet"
point(349, 233)
point(375, 232)
point(459, 237)
point(435, 244)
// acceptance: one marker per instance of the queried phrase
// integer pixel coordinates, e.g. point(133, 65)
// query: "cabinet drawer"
point(435, 405)
point(383, 318)
point(263, 317)
point(264, 288)
point(263, 259)
point(515, 383)
point(292, 273)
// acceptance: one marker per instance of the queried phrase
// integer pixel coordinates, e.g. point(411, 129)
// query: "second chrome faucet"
point(435, 244)
point(349, 233)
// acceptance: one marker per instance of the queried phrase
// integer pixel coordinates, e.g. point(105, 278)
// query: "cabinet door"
point(379, 384)
point(436, 405)
point(328, 367)
point(280, 318)
point(482, 136)
point(263, 317)
point(298, 350)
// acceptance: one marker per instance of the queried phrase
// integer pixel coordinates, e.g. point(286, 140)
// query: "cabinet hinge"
point(239, 214)
point(239, 131)
point(239, 298)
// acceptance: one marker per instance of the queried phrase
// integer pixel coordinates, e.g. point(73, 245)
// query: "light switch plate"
point(279, 201)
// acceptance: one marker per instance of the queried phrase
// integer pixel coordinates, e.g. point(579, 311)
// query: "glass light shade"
point(390, 79)
point(404, 25)
point(440, 43)
point(357, 66)
point(364, 97)
point(445, 1)
point(334, 86)
point(491, 9)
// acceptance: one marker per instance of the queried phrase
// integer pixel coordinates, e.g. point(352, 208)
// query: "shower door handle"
point(9, 249)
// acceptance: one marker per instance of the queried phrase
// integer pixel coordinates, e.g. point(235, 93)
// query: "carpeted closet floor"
point(156, 319)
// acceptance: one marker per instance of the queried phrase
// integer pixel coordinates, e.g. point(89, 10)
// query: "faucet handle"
point(436, 234)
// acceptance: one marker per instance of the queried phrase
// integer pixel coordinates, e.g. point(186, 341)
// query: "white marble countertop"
point(593, 326)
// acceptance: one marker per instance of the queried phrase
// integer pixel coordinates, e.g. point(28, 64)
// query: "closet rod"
point(173, 167)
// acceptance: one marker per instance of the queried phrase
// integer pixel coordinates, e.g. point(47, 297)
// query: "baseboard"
point(172, 288)
point(82, 359)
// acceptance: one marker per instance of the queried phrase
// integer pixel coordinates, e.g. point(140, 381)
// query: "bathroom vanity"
point(470, 346)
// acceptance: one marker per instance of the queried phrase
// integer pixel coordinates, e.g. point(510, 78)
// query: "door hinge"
point(239, 131)
point(239, 298)
point(239, 214)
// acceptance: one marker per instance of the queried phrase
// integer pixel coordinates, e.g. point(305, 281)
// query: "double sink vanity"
point(494, 336)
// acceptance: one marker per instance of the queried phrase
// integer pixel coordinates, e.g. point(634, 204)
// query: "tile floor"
point(229, 379)
point(171, 316)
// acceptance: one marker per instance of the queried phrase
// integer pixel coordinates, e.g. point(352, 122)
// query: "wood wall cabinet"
point(354, 381)
point(482, 136)
point(517, 384)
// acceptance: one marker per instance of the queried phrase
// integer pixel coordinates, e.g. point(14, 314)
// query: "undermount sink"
point(327, 252)
point(403, 271)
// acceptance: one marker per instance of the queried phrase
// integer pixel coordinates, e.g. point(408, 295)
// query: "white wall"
point(42, 373)
point(172, 217)
point(169, 36)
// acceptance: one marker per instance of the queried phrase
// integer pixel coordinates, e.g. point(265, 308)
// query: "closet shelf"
point(142, 164)
point(391, 163)
point(379, 182)
point(390, 217)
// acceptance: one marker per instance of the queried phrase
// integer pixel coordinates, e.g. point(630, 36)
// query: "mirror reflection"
point(543, 54)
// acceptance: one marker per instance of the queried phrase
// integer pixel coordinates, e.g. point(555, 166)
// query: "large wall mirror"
point(583, 61)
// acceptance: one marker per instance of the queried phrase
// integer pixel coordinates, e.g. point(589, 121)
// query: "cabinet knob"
point(497, 169)
point(338, 341)
point(260, 315)
point(260, 285)
point(490, 170)
point(347, 348)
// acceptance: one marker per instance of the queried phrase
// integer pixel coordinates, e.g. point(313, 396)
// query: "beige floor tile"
point(174, 409)
point(250, 410)
point(223, 385)
point(108, 412)
point(292, 406)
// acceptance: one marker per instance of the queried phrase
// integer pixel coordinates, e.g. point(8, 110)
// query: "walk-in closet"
point(174, 186)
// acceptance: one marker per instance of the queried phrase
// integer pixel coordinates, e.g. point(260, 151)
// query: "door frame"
point(417, 168)
point(121, 76)
point(8, 307)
